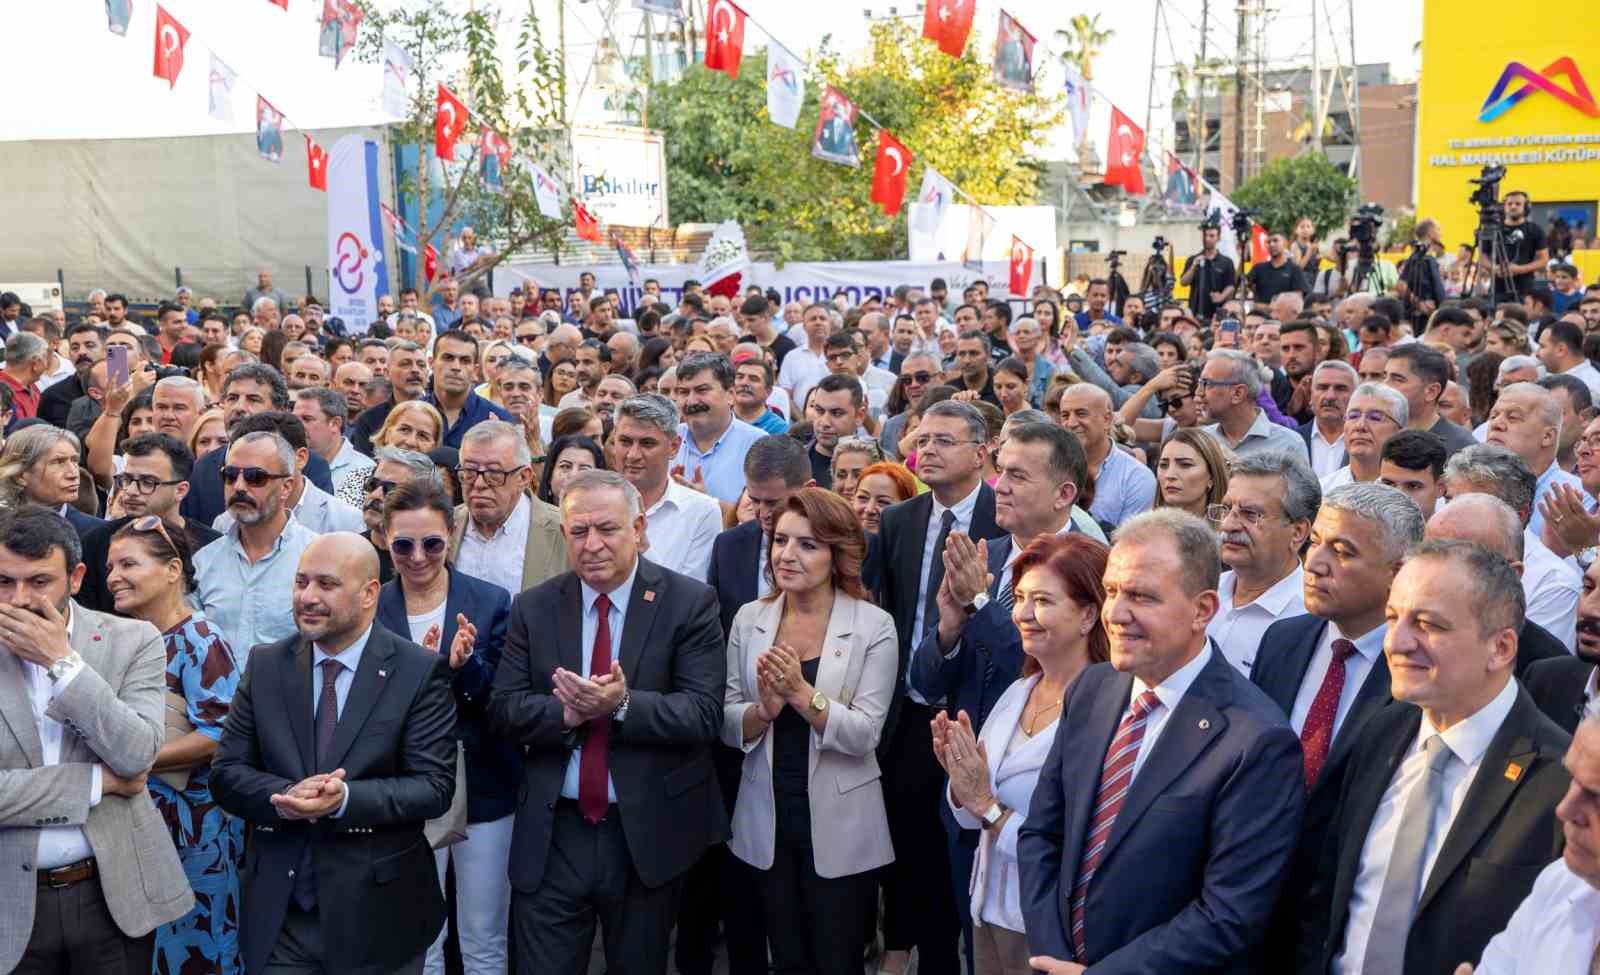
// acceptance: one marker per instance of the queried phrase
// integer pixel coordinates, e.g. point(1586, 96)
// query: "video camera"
point(1491, 212)
point(1159, 244)
point(1243, 222)
point(1364, 225)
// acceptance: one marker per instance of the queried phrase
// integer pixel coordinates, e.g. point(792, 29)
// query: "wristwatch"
point(978, 602)
point(819, 702)
point(993, 815)
point(59, 669)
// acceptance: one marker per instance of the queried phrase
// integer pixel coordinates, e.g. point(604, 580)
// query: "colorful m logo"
point(1498, 102)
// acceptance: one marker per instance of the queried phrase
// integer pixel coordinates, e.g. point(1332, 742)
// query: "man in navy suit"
point(1165, 817)
point(775, 467)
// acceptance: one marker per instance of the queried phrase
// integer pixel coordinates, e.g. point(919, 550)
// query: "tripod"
point(1416, 278)
point(1489, 242)
point(1242, 245)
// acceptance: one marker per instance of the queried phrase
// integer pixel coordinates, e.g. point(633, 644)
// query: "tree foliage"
point(726, 160)
point(1307, 185)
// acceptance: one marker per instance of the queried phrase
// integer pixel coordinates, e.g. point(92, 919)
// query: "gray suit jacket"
point(114, 713)
point(546, 554)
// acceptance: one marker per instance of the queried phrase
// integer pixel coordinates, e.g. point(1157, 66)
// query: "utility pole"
point(649, 71)
point(1150, 91)
point(1239, 68)
point(1316, 83)
point(1353, 103)
point(1201, 139)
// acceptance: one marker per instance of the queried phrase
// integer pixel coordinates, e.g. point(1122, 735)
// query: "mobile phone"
point(1229, 328)
point(117, 364)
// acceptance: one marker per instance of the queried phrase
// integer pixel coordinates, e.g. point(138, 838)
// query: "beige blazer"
point(546, 553)
point(856, 673)
point(114, 713)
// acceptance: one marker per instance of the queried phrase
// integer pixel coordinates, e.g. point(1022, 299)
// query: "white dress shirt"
point(681, 528)
point(1338, 478)
point(1554, 930)
point(58, 845)
point(802, 369)
point(1326, 455)
point(617, 618)
point(1171, 692)
point(1357, 666)
point(1238, 629)
point(497, 558)
point(1586, 371)
point(963, 511)
point(1467, 741)
point(1551, 586)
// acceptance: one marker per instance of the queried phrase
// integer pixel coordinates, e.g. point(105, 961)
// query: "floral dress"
point(201, 669)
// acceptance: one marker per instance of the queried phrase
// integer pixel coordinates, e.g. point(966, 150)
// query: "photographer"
point(1421, 286)
point(1277, 275)
point(1526, 248)
point(1209, 276)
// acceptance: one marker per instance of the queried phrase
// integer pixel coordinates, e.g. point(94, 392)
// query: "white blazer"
point(856, 673)
point(995, 880)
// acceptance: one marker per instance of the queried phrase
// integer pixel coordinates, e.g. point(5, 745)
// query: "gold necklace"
point(1031, 726)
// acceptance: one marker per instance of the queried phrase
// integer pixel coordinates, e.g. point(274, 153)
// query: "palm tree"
point(1083, 43)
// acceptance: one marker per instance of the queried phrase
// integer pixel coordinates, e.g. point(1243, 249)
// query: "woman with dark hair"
point(149, 576)
point(1047, 312)
point(1057, 599)
point(272, 348)
point(576, 420)
point(566, 457)
point(210, 372)
point(1481, 374)
point(1011, 384)
point(1170, 348)
point(138, 417)
point(645, 380)
point(811, 673)
point(1191, 472)
point(559, 380)
point(654, 351)
point(185, 355)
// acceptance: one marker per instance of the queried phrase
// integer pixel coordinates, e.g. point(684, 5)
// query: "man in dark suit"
point(1163, 822)
point(951, 448)
point(619, 797)
point(1447, 813)
point(339, 746)
point(1565, 687)
point(1357, 544)
point(86, 346)
point(773, 471)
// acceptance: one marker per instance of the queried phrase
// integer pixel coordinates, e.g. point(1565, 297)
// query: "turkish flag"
point(947, 23)
point(890, 172)
point(1124, 152)
point(724, 37)
point(1258, 244)
point(1021, 267)
point(448, 124)
point(588, 227)
point(170, 38)
point(280, 3)
point(316, 165)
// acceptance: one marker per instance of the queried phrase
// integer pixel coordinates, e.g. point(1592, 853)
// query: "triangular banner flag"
point(786, 86)
point(220, 100)
point(835, 137)
point(269, 131)
point(316, 165)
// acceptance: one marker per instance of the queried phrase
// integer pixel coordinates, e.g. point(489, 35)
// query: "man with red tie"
point(1166, 813)
point(616, 709)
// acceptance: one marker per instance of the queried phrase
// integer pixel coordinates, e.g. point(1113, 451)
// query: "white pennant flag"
point(936, 195)
point(396, 80)
point(1077, 102)
point(548, 192)
point(1222, 210)
point(221, 98)
point(786, 86)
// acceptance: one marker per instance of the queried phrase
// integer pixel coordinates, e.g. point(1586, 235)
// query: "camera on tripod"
point(1159, 244)
point(1243, 222)
point(1491, 212)
point(1364, 225)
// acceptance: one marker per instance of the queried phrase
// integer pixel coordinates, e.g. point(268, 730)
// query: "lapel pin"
point(649, 595)
point(1513, 771)
point(383, 673)
point(1205, 724)
point(837, 652)
point(97, 637)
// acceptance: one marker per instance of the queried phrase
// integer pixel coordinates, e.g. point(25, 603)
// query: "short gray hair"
point(1500, 471)
point(966, 413)
point(281, 446)
point(488, 431)
point(1339, 365)
point(1512, 363)
point(1244, 369)
point(1302, 493)
point(419, 464)
point(1399, 410)
point(1496, 595)
point(260, 303)
point(595, 479)
point(1549, 409)
point(1029, 415)
point(1142, 359)
point(186, 384)
point(25, 346)
point(1395, 514)
point(651, 409)
point(1196, 542)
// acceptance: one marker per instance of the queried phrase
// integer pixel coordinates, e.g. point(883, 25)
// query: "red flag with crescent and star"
point(724, 37)
point(587, 226)
point(170, 38)
point(1124, 152)
point(448, 124)
point(947, 23)
point(316, 165)
point(890, 172)
point(1021, 267)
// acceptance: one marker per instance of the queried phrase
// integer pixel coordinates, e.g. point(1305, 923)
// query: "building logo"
point(352, 256)
point(1499, 101)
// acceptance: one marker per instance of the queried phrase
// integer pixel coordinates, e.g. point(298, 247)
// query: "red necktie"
point(1317, 734)
point(1115, 778)
point(592, 774)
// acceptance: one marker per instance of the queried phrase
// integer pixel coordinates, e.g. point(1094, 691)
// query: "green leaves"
point(1308, 185)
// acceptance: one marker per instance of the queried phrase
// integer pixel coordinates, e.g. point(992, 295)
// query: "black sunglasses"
point(433, 546)
point(372, 484)
point(917, 377)
point(253, 476)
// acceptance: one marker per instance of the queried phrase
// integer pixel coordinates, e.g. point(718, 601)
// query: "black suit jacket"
point(1196, 857)
point(56, 402)
point(1535, 643)
point(395, 741)
point(987, 661)
point(1557, 686)
point(735, 554)
point(673, 658)
point(1505, 833)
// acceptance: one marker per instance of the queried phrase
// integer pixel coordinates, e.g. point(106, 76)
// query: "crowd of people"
point(1256, 634)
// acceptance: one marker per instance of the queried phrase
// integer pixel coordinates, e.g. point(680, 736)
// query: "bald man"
point(1486, 520)
point(336, 795)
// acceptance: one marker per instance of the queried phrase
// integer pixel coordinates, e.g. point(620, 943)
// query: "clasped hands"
point(312, 798)
point(584, 698)
point(966, 573)
point(965, 760)
point(780, 682)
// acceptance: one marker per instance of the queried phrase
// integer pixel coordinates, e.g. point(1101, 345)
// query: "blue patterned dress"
point(201, 668)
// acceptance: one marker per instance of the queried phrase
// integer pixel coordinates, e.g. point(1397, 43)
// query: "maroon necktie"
point(592, 762)
point(1116, 775)
point(1317, 734)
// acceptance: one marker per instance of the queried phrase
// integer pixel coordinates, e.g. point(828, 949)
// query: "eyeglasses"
point(1173, 403)
point(490, 476)
point(927, 442)
point(1371, 416)
point(375, 484)
point(1250, 516)
point(140, 484)
point(253, 476)
point(840, 356)
point(1219, 383)
point(432, 547)
point(917, 377)
point(151, 523)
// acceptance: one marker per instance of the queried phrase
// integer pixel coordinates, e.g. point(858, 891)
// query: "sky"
point(91, 83)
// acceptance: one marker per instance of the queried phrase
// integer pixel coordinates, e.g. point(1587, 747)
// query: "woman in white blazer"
point(1058, 595)
point(811, 672)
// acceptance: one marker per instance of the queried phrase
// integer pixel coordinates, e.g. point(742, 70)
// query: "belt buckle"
point(52, 884)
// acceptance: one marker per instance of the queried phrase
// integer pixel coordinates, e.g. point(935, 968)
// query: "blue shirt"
point(591, 626)
point(771, 422)
point(1123, 488)
point(251, 603)
point(722, 465)
point(1043, 371)
point(473, 412)
point(445, 318)
point(1108, 317)
point(1551, 476)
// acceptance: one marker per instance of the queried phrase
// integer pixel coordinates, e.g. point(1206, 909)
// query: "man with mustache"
point(714, 440)
point(86, 345)
point(245, 578)
point(407, 372)
point(753, 379)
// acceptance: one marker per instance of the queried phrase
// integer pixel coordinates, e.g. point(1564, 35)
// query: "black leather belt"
point(69, 875)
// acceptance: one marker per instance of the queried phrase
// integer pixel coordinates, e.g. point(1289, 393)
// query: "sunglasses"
point(151, 523)
point(432, 547)
point(917, 377)
point(253, 476)
point(373, 484)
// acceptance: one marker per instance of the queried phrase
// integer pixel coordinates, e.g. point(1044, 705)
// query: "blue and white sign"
point(357, 275)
